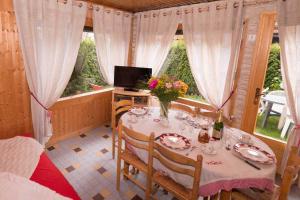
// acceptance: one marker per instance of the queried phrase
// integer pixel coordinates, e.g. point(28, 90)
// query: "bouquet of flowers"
point(167, 89)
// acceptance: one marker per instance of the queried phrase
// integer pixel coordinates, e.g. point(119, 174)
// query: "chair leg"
point(225, 195)
point(126, 168)
point(113, 143)
point(285, 127)
point(149, 188)
point(118, 172)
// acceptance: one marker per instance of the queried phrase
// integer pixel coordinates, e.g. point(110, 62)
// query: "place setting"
point(244, 148)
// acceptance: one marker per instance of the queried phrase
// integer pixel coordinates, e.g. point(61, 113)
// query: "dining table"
point(223, 169)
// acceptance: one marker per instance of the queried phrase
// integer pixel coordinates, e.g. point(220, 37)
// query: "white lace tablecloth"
point(223, 171)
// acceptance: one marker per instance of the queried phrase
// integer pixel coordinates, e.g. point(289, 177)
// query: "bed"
point(47, 174)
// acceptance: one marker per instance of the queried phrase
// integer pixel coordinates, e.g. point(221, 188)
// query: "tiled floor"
point(87, 163)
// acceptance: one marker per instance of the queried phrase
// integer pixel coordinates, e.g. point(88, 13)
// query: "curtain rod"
point(90, 4)
point(220, 6)
point(245, 4)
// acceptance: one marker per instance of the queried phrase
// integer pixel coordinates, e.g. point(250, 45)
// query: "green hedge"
point(177, 65)
point(86, 70)
point(273, 76)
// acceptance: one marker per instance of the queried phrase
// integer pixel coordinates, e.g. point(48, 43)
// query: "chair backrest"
point(294, 158)
point(135, 139)
point(290, 172)
point(214, 115)
point(185, 108)
point(119, 108)
point(184, 165)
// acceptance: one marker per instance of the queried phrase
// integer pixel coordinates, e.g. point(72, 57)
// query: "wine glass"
point(182, 127)
point(227, 140)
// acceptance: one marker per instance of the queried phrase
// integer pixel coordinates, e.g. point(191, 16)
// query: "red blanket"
point(47, 174)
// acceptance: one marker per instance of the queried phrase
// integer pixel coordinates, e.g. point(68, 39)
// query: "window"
point(86, 76)
point(177, 65)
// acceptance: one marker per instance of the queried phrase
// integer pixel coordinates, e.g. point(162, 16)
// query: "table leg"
point(266, 114)
point(225, 195)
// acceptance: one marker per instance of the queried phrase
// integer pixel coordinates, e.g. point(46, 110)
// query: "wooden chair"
point(280, 192)
point(186, 166)
point(183, 107)
point(118, 108)
point(214, 115)
point(140, 141)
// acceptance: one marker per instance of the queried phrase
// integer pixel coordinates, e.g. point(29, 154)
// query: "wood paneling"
point(143, 5)
point(15, 115)
point(277, 147)
point(80, 113)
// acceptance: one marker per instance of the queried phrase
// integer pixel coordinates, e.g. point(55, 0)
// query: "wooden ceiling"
point(144, 5)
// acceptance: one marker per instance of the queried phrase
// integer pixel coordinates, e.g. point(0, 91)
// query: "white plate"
point(175, 141)
point(253, 153)
point(138, 111)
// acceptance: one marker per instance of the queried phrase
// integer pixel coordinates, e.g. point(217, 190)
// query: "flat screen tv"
point(129, 77)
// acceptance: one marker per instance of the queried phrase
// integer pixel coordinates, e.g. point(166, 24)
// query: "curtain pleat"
point(213, 39)
point(112, 35)
point(50, 34)
point(289, 33)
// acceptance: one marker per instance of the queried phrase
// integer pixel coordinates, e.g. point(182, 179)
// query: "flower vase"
point(164, 109)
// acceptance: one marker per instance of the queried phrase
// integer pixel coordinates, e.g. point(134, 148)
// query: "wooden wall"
point(15, 115)
point(80, 113)
point(72, 115)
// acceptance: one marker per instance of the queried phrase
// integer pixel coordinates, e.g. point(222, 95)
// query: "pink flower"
point(168, 85)
point(177, 84)
point(153, 84)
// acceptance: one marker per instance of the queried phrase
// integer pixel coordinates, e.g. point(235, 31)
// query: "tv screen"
point(129, 77)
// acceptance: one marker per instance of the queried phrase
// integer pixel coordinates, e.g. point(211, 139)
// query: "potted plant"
point(166, 89)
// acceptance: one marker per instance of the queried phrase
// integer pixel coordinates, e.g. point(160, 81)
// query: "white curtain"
point(112, 30)
point(50, 34)
point(213, 33)
point(289, 33)
point(155, 33)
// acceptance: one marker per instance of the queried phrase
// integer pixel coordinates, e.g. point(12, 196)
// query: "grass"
point(270, 129)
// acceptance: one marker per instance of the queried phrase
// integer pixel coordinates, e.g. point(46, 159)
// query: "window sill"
point(86, 94)
point(196, 103)
point(270, 138)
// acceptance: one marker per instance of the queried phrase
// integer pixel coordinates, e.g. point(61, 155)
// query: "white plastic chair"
point(285, 122)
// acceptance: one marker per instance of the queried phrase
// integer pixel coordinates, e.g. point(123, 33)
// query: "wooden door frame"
point(256, 80)
point(258, 69)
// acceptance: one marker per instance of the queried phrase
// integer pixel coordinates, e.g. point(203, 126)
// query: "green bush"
point(177, 65)
point(86, 70)
point(273, 76)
